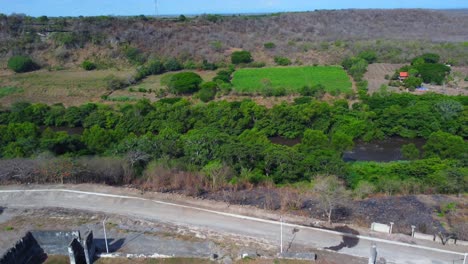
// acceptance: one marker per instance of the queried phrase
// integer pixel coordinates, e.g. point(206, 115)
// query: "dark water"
point(69, 130)
point(377, 150)
point(381, 150)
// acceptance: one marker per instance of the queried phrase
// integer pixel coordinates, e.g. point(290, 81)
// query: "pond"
point(378, 150)
point(381, 150)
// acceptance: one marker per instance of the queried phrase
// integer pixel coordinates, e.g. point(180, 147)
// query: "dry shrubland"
point(308, 37)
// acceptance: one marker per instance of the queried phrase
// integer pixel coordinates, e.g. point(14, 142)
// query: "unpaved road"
point(356, 245)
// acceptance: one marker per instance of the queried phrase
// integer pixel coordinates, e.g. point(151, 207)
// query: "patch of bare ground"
point(376, 72)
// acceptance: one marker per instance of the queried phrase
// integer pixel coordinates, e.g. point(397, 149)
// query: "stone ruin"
point(34, 247)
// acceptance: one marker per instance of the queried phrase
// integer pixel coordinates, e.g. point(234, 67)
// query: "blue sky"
point(175, 7)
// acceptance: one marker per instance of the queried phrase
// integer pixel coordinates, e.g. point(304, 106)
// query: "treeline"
point(228, 141)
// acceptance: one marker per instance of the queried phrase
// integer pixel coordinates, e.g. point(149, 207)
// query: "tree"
point(21, 64)
point(185, 82)
point(369, 56)
point(410, 152)
point(207, 91)
point(313, 140)
point(239, 57)
point(173, 65)
point(331, 193)
point(342, 142)
point(412, 82)
point(217, 174)
point(445, 146)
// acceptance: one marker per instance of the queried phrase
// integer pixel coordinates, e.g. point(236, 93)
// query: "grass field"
point(291, 78)
point(5, 91)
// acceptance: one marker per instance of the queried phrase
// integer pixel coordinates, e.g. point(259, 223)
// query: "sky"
point(176, 7)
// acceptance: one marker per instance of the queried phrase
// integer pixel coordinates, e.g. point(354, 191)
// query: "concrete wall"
point(55, 242)
point(26, 251)
point(89, 247)
point(76, 252)
point(382, 228)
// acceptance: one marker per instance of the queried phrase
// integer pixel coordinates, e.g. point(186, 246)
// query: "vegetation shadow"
point(113, 244)
point(350, 238)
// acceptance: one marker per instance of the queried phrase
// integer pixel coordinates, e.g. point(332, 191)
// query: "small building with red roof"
point(403, 76)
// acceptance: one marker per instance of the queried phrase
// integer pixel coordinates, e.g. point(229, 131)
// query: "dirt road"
point(268, 230)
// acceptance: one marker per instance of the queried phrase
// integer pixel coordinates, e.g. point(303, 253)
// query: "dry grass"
point(70, 87)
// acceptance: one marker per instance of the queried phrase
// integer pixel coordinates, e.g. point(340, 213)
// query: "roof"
point(404, 74)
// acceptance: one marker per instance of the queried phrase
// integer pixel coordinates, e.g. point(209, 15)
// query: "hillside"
point(323, 37)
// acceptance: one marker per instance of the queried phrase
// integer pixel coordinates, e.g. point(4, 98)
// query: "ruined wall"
point(55, 242)
point(76, 252)
point(89, 247)
point(26, 251)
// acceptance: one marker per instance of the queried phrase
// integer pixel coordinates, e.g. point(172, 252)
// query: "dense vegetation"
point(21, 64)
point(228, 142)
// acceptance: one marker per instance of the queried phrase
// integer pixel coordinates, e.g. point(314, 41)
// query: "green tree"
point(185, 82)
point(368, 55)
point(217, 173)
point(412, 82)
point(410, 152)
point(97, 139)
point(239, 57)
point(282, 61)
point(207, 91)
point(342, 142)
point(445, 146)
point(21, 64)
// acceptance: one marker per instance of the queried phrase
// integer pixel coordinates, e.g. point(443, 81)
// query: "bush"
point(282, 61)
point(239, 57)
point(428, 58)
point(412, 82)
point(21, 64)
point(269, 45)
point(184, 82)
point(317, 91)
point(207, 91)
point(88, 65)
point(369, 56)
point(172, 65)
point(115, 83)
point(256, 64)
point(134, 55)
point(223, 76)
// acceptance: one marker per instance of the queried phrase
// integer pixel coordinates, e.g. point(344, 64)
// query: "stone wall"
point(26, 251)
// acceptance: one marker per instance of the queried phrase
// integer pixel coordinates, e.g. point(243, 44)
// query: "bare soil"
point(376, 72)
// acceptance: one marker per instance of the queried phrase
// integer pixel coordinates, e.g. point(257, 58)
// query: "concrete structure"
point(36, 245)
point(382, 228)
point(55, 242)
point(26, 251)
point(299, 256)
point(76, 252)
point(89, 247)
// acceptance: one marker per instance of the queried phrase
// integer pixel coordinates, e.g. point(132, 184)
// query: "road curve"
point(356, 245)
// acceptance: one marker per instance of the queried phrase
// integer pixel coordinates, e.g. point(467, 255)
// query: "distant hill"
point(304, 37)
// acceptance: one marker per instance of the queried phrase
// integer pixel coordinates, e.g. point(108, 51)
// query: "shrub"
point(134, 55)
point(207, 91)
point(115, 83)
point(369, 56)
point(172, 65)
point(223, 76)
point(427, 57)
point(21, 64)
point(283, 61)
point(412, 82)
point(88, 65)
point(184, 82)
point(256, 64)
point(239, 57)
point(208, 66)
point(269, 45)
point(317, 91)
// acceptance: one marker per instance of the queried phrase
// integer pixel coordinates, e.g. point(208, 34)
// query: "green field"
point(291, 78)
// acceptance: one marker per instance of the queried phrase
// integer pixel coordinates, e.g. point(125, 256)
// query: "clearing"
point(292, 79)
